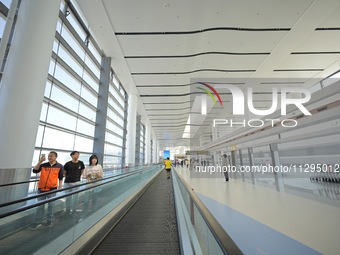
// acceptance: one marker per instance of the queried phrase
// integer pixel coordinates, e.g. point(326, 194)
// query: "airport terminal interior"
point(215, 127)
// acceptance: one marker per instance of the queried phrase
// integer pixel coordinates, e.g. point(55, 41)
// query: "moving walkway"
point(130, 213)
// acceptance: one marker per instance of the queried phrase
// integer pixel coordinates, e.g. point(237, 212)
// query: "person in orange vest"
point(51, 178)
point(168, 165)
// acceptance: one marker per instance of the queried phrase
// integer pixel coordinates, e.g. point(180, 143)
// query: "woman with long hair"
point(92, 173)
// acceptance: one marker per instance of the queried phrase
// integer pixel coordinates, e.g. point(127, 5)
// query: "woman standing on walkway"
point(92, 172)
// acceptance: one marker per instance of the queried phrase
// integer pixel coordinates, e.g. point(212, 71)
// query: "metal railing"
point(93, 201)
point(200, 232)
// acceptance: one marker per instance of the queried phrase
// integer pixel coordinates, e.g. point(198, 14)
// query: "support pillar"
point(241, 157)
point(22, 90)
point(214, 138)
point(251, 163)
point(234, 160)
point(100, 130)
point(131, 131)
point(155, 152)
point(147, 144)
point(274, 152)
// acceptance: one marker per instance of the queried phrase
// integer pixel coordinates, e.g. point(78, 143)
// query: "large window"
point(69, 111)
point(140, 142)
point(4, 7)
point(5, 37)
point(142, 145)
point(115, 140)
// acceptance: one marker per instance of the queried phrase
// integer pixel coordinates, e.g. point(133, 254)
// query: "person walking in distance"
point(168, 165)
point(224, 163)
point(73, 171)
point(51, 178)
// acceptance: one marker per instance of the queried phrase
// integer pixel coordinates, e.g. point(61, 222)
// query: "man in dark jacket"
point(72, 171)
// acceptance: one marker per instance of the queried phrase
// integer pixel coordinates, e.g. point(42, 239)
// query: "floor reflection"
point(304, 187)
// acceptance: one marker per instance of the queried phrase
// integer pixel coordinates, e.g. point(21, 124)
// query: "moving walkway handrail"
point(225, 242)
point(55, 191)
point(46, 200)
point(16, 183)
point(35, 179)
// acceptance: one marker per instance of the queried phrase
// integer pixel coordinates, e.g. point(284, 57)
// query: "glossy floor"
point(273, 215)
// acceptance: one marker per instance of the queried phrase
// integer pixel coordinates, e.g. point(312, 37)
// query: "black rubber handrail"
point(37, 178)
point(225, 242)
point(16, 183)
point(92, 186)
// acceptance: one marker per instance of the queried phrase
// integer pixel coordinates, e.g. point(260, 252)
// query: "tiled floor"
point(299, 213)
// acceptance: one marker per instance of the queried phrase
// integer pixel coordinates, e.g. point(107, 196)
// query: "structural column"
point(234, 159)
point(100, 131)
point(157, 151)
point(251, 163)
point(154, 144)
point(22, 86)
point(147, 144)
point(138, 141)
point(131, 131)
point(214, 138)
point(274, 151)
point(250, 156)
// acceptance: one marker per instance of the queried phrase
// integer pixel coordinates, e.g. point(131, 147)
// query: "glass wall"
point(115, 140)
point(3, 16)
point(4, 10)
point(142, 145)
point(68, 115)
point(140, 141)
point(151, 151)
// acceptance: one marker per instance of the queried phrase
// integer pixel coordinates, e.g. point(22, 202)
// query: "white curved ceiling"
point(160, 49)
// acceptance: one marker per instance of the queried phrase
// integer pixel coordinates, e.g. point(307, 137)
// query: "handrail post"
point(192, 211)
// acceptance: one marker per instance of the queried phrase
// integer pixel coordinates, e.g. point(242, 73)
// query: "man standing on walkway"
point(50, 173)
point(168, 165)
point(225, 165)
point(73, 171)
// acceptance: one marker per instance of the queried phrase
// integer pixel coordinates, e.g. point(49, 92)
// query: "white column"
point(214, 133)
point(22, 91)
point(148, 144)
point(214, 138)
point(274, 151)
point(157, 151)
point(155, 156)
point(131, 130)
point(23, 82)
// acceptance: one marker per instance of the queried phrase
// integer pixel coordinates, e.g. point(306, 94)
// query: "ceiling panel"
point(210, 41)
point(313, 61)
point(154, 15)
point(221, 62)
point(159, 48)
point(321, 41)
point(333, 20)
